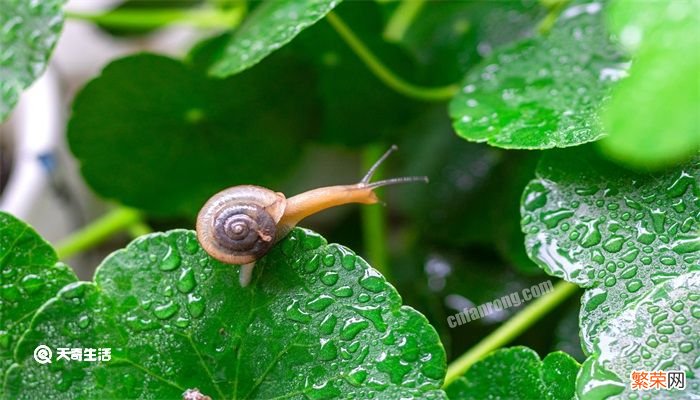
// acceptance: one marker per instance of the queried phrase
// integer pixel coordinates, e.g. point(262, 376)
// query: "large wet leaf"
point(517, 373)
point(666, 66)
point(30, 274)
point(545, 91)
point(270, 26)
point(29, 31)
point(316, 321)
point(614, 232)
point(181, 136)
point(661, 331)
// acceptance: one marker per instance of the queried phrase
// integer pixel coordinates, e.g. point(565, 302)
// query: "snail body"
point(239, 225)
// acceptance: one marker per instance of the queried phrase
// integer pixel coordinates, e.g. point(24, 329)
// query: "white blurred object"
point(37, 124)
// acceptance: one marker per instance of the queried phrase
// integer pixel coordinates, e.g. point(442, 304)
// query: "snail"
point(239, 225)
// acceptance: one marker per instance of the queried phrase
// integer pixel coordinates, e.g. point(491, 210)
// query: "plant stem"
point(401, 19)
point(384, 74)
point(139, 228)
point(510, 329)
point(555, 8)
point(159, 17)
point(374, 219)
point(89, 236)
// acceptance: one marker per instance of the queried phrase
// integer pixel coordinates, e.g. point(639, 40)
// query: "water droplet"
point(191, 245)
point(552, 218)
point(182, 322)
point(685, 347)
point(695, 311)
point(352, 328)
point(295, 313)
point(165, 311)
point(592, 236)
point(535, 196)
point(630, 255)
point(596, 297)
point(652, 342)
point(658, 218)
point(328, 324)
point(687, 245)
point(610, 281)
point(312, 240)
point(313, 263)
point(329, 278)
point(343, 291)
point(328, 350)
point(170, 261)
point(83, 321)
point(357, 376)
point(665, 329)
point(195, 305)
point(329, 260)
point(634, 285)
point(614, 244)
point(680, 185)
point(373, 281)
point(31, 283)
point(320, 303)
point(374, 315)
point(667, 260)
point(186, 282)
point(630, 272)
point(347, 258)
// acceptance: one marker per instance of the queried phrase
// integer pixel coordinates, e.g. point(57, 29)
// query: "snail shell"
point(239, 225)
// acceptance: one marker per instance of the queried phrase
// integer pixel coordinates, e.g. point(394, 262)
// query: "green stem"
point(139, 229)
point(384, 74)
point(555, 8)
point(159, 17)
point(374, 232)
point(511, 329)
point(401, 19)
point(89, 236)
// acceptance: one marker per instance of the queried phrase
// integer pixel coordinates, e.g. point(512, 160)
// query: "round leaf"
point(30, 274)
point(156, 134)
point(609, 230)
point(659, 332)
point(270, 26)
point(316, 321)
point(517, 373)
point(545, 91)
point(30, 30)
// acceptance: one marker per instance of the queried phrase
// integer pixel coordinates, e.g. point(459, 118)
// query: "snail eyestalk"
point(313, 201)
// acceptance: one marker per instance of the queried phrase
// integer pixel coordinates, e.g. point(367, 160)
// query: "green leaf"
point(654, 116)
point(545, 91)
point(517, 373)
point(30, 30)
point(181, 136)
point(614, 232)
point(316, 321)
point(269, 27)
point(30, 274)
point(661, 331)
